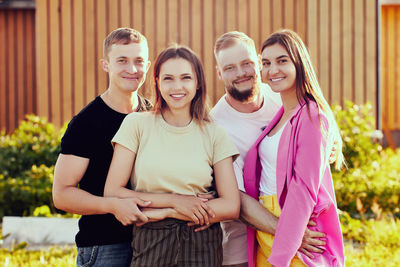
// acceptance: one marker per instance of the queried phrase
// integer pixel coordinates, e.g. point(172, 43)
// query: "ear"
point(104, 64)
point(218, 72)
point(259, 62)
point(148, 65)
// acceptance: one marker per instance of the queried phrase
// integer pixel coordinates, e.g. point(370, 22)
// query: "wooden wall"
point(17, 66)
point(391, 67)
point(341, 36)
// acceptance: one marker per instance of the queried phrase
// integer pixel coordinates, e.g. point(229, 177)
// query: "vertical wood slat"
point(385, 53)
point(347, 50)
point(67, 69)
point(10, 70)
point(288, 10)
point(28, 67)
point(335, 60)
point(219, 28)
point(196, 34)
point(390, 67)
point(397, 72)
point(3, 77)
point(370, 53)
point(391, 46)
point(78, 56)
point(101, 24)
point(276, 15)
point(90, 51)
point(312, 33)
point(324, 47)
point(359, 58)
point(337, 34)
point(20, 63)
point(54, 67)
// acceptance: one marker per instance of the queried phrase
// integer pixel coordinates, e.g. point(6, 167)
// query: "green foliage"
point(371, 242)
point(34, 142)
point(371, 183)
point(55, 256)
point(357, 127)
point(19, 196)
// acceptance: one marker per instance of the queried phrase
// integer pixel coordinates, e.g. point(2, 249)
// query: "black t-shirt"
point(89, 135)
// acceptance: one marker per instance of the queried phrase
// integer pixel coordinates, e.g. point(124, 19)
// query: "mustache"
point(244, 77)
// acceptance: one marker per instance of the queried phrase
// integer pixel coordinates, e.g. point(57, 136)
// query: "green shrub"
point(371, 242)
point(34, 142)
point(357, 126)
point(54, 256)
point(20, 196)
point(371, 183)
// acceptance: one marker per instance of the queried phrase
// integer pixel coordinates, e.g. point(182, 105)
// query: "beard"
point(243, 95)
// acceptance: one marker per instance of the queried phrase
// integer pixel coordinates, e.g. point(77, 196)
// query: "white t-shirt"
point(244, 129)
point(268, 155)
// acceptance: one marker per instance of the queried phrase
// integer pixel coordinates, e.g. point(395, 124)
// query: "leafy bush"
point(371, 183)
point(19, 196)
point(52, 257)
point(34, 142)
point(357, 127)
point(371, 242)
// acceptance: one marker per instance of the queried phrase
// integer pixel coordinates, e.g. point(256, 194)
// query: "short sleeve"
point(128, 134)
point(223, 146)
point(78, 138)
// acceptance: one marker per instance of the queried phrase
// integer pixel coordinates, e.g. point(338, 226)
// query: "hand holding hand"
point(194, 208)
point(127, 212)
point(155, 214)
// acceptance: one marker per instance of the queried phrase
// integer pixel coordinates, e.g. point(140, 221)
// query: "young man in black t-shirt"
point(86, 154)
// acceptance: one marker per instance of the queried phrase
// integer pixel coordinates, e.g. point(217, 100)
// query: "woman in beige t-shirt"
point(171, 156)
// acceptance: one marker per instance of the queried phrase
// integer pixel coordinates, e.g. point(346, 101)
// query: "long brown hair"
point(307, 86)
point(199, 109)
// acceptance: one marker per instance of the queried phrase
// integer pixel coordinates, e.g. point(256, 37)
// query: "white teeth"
point(178, 95)
point(276, 79)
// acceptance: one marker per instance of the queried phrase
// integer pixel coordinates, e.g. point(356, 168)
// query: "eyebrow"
point(282, 56)
point(183, 74)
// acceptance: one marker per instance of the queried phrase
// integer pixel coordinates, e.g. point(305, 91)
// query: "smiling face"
point(127, 65)
point(177, 83)
point(278, 70)
point(238, 67)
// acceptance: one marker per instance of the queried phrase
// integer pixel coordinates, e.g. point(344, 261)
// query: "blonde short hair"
point(231, 38)
point(122, 36)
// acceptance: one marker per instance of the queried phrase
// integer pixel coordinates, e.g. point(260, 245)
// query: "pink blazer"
point(304, 190)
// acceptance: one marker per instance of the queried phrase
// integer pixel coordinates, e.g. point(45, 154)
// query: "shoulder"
point(88, 114)
point(214, 130)
point(140, 117)
point(311, 118)
point(219, 107)
point(144, 104)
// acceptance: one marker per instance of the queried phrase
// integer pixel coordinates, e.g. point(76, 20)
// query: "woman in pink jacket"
point(287, 168)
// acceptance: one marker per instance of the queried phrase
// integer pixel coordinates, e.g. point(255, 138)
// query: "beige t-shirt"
point(173, 159)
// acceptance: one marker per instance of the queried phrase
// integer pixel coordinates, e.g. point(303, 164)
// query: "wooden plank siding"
point(69, 36)
point(17, 66)
point(391, 67)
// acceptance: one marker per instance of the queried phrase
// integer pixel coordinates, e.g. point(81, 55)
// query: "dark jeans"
point(117, 255)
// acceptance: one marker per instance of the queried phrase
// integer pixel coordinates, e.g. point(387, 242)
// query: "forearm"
point(255, 215)
point(225, 209)
point(78, 201)
point(158, 200)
